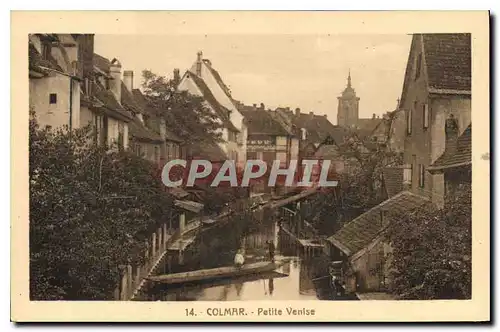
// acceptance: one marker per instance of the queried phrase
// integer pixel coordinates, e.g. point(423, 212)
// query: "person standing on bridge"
point(271, 250)
point(239, 259)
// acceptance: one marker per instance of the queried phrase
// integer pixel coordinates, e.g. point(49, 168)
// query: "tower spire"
point(349, 79)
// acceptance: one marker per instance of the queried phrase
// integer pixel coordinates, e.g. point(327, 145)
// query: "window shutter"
point(426, 115)
point(421, 176)
point(408, 122)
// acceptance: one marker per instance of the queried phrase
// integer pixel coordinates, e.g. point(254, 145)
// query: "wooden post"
point(160, 240)
point(182, 222)
point(153, 247)
point(123, 288)
point(165, 236)
point(129, 282)
point(138, 276)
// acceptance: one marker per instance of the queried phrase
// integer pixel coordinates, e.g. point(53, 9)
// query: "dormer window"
point(303, 133)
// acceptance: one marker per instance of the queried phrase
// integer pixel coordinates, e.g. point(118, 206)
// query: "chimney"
point(311, 115)
point(115, 85)
point(177, 76)
point(451, 131)
point(198, 63)
point(262, 106)
point(86, 54)
point(297, 111)
point(128, 79)
point(254, 107)
point(325, 115)
point(373, 117)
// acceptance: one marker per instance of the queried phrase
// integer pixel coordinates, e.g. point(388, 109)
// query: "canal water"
point(296, 279)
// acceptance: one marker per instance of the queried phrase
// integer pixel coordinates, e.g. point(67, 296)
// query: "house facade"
point(311, 129)
point(268, 140)
point(435, 107)
point(203, 80)
point(54, 79)
point(437, 87)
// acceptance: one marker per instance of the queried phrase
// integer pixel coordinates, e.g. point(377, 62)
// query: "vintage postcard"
point(250, 166)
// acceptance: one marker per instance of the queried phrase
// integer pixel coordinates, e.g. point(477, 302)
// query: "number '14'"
point(190, 312)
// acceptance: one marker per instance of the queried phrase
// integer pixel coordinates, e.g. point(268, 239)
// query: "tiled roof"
point(221, 111)
point(137, 129)
point(36, 60)
point(367, 126)
point(393, 180)
point(458, 155)
point(262, 122)
point(319, 128)
point(361, 231)
point(129, 101)
point(101, 62)
point(111, 105)
point(327, 151)
point(153, 114)
point(219, 80)
point(448, 60)
point(141, 133)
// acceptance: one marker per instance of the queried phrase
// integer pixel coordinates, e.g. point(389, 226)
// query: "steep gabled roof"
point(218, 79)
point(111, 106)
point(101, 63)
point(36, 60)
point(153, 114)
point(221, 111)
point(262, 122)
point(319, 128)
point(448, 60)
point(137, 129)
point(459, 155)
point(360, 232)
point(367, 126)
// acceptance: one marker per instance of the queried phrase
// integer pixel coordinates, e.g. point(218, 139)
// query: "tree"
point(89, 214)
point(431, 248)
point(360, 185)
point(187, 115)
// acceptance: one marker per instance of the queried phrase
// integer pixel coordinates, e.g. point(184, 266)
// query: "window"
point(418, 66)
point(407, 175)
point(408, 122)
point(413, 167)
point(157, 154)
point(138, 150)
point(53, 98)
point(421, 175)
point(425, 111)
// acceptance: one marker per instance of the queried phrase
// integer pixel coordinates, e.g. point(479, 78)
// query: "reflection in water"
point(293, 280)
point(271, 286)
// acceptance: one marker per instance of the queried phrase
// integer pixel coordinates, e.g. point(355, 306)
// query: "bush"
point(90, 213)
point(432, 251)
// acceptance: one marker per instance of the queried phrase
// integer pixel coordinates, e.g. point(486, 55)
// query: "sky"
point(305, 71)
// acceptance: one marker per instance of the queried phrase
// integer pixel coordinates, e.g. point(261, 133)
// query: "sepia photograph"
point(299, 169)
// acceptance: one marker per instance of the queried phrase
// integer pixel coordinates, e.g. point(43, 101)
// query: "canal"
point(299, 278)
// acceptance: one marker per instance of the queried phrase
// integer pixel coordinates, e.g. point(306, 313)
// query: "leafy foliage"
point(432, 251)
point(360, 185)
point(89, 214)
point(186, 114)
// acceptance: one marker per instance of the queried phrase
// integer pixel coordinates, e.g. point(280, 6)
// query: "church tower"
point(348, 109)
